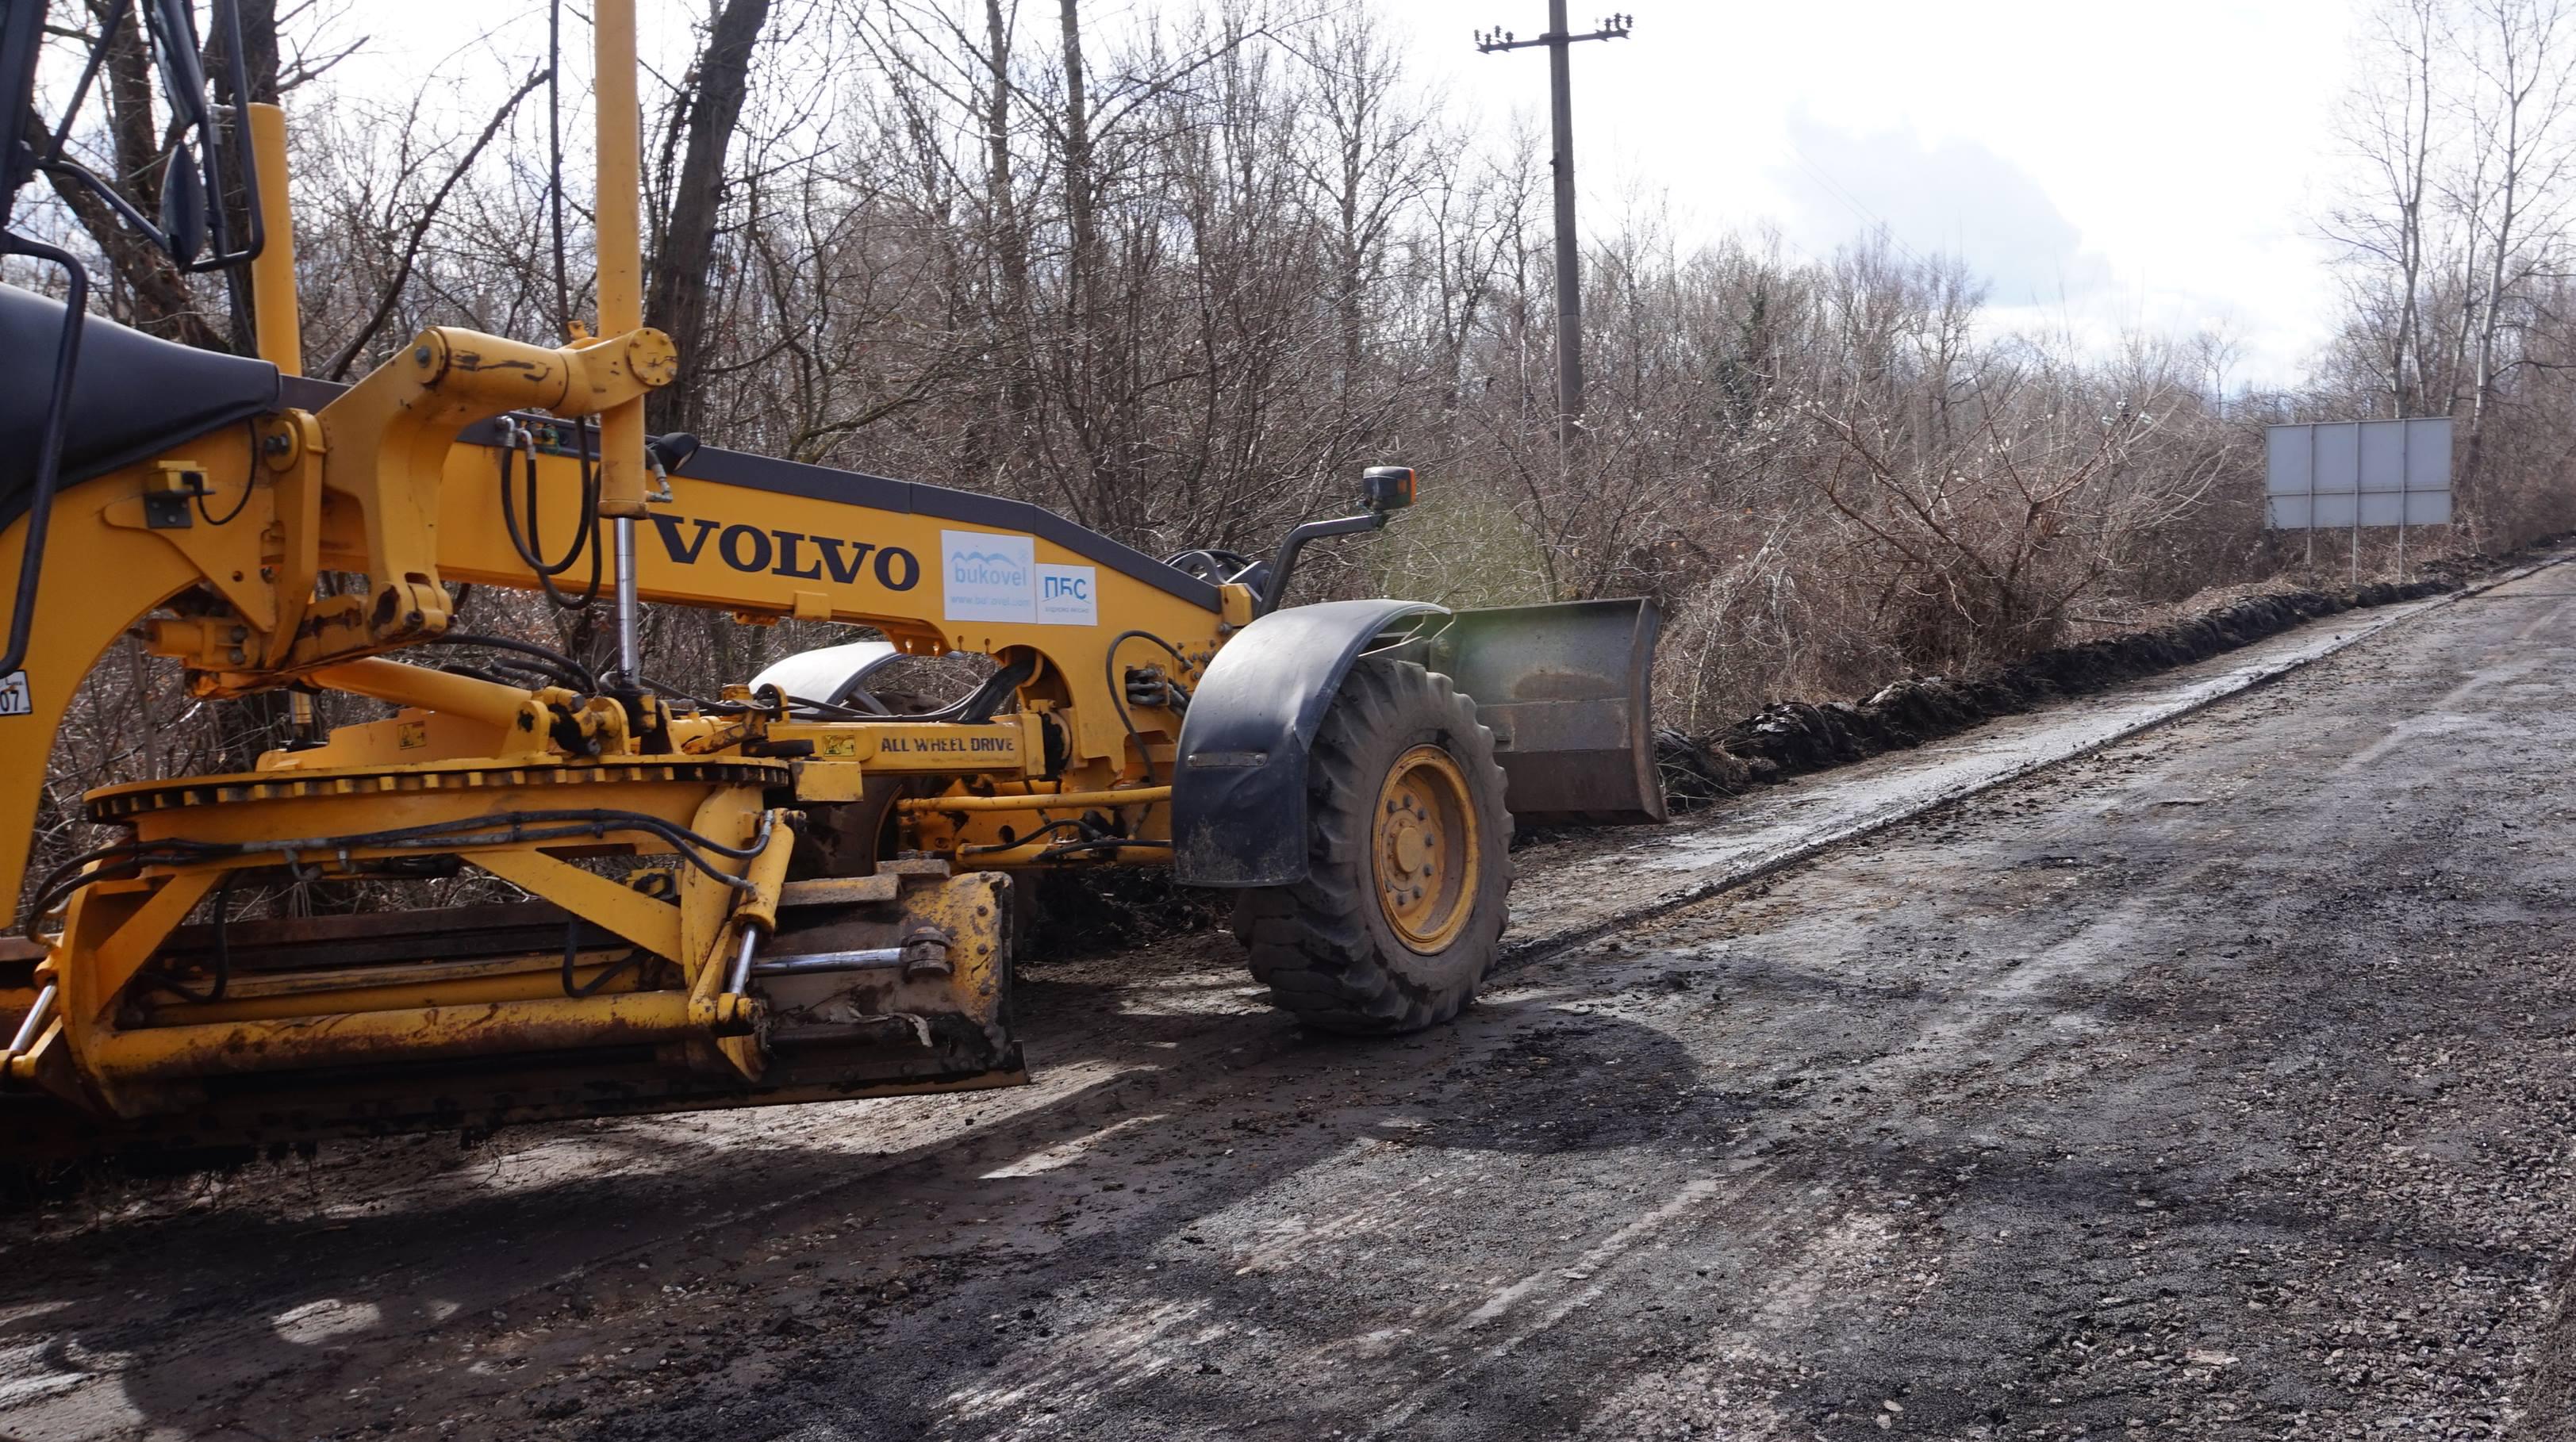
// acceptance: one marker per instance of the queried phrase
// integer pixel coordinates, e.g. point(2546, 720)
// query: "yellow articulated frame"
point(770, 555)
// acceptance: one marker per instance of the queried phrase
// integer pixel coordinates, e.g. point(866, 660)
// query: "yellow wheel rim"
point(1423, 855)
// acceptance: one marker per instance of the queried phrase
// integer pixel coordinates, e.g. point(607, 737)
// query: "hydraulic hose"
point(519, 440)
point(109, 863)
point(562, 668)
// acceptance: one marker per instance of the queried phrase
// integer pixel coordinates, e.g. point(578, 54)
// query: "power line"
point(1851, 202)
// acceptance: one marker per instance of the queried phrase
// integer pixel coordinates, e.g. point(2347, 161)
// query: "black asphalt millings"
point(1791, 738)
point(1096, 910)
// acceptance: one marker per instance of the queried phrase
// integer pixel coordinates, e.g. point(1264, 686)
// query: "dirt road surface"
point(2216, 1086)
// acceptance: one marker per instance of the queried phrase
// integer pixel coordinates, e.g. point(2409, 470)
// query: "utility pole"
point(1569, 281)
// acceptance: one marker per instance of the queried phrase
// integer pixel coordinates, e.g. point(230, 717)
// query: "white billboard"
point(2337, 475)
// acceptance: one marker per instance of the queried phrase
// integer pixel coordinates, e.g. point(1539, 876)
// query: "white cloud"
point(2119, 167)
point(1953, 197)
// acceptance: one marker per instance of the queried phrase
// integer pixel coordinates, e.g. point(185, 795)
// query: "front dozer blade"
point(1566, 689)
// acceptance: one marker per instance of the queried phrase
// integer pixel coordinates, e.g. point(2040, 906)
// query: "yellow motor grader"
point(789, 891)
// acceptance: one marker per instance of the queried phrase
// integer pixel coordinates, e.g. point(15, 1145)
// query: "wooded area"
point(1182, 275)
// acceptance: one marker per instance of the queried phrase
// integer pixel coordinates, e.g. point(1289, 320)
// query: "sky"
point(2106, 168)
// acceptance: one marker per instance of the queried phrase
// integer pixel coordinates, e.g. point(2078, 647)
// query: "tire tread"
point(1311, 943)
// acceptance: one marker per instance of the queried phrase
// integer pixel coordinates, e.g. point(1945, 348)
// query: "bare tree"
point(2388, 124)
point(2524, 57)
point(703, 124)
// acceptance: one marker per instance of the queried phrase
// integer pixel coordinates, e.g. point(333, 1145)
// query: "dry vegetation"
point(1181, 274)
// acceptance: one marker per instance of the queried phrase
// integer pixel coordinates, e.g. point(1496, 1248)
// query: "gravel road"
point(2215, 1086)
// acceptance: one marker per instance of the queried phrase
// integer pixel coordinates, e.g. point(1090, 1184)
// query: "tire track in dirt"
point(1872, 1130)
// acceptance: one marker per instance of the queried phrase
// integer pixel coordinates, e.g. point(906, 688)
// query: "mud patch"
point(1791, 738)
point(1094, 911)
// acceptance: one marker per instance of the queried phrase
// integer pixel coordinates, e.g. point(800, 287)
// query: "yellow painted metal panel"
point(650, 924)
point(150, 1054)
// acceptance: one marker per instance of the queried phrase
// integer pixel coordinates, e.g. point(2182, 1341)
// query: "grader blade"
point(480, 1017)
point(1566, 691)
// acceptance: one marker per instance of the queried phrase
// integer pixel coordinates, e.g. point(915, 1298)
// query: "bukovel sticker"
point(985, 577)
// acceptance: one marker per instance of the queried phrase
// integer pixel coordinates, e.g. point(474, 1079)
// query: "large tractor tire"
point(1409, 850)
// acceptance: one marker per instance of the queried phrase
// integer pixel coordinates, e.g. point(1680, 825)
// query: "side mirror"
point(671, 451)
point(1387, 488)
point(183, 206)
point(208, 164)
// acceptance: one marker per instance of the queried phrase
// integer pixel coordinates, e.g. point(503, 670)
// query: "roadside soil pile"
point(1791, 738)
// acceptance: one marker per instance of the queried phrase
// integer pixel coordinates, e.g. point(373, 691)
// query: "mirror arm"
point(1284, 564)
point(217, 163)
point(73, 170)
point(80, 92)
point(214, 166)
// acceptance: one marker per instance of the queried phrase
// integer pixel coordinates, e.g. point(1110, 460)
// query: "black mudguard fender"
point(1239, 786)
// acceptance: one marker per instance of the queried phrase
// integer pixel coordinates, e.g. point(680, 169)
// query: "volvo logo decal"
point(751, 550)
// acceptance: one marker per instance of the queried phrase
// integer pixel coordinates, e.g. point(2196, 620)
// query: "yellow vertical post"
point(275, 316)
point(621, 245)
